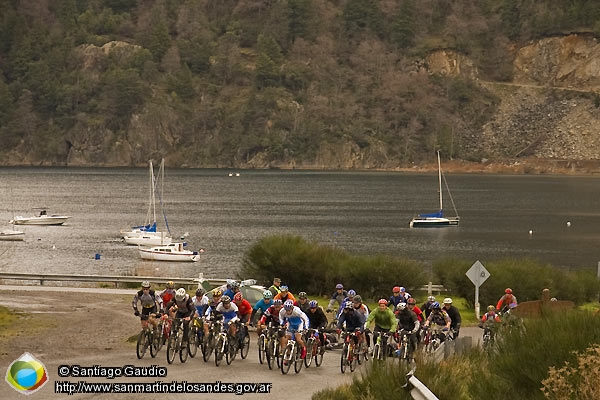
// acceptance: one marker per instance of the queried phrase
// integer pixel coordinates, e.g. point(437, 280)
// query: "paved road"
point(96, 323)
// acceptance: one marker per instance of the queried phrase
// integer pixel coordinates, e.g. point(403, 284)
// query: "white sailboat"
point(437, 219)
point(171, 252)
point(147, 235)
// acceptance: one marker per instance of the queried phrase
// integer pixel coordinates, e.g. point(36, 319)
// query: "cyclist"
point(183, 307)
point(384, 319)
point(408, 322)
point(262, 305)
point(302, 302)
point(353, 320)
point(168, 293)
point(506, 300)
point(426, 307)
point(454, 315)
point(438, 317)
point(244, 307)
point(411, 303)
point(296, 321)
point(363, 309)
point(231, 288)
point(317, 320)
point(285, 295)
point(271, 316)
point(490, 321)
point(349, 299)
point(337, 297)
point(211, 310)
point(230, 314)
point(200, 302)
point(150, 305)
point(399, 295)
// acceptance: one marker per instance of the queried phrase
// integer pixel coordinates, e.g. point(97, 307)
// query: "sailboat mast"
point(440, 180)
point(152, 196)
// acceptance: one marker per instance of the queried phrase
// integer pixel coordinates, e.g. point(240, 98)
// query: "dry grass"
point(578, 381)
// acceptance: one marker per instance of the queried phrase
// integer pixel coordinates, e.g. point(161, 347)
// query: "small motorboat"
point(42, 219)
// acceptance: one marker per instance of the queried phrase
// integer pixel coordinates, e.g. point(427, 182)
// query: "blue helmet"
point(351, 293)
point(435, 305)
point(313, 304)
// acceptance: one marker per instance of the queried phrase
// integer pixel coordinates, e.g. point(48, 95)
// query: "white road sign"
point(477, 273)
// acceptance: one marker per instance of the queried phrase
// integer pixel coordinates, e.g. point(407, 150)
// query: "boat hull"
point(433, 222)
point(158, 255)
point(147, 240)
point(12, 236)
point(41, 220)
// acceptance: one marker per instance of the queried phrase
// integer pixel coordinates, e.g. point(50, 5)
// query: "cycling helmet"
point(491, 308)
point(357, 299)
point(235, 285)
point(302, 295)
point(435, 305)
point(180, 294)
point(288, 305)
point(145, 284)
point(170, 285)
point(284, 288)
point(402, 289)
point(447, 300)
point(508, 290)
point(339, 286)
point(431, 298)
point(267, 294)
point(313, 304)
point(229, 282)
point(226, 299)
point(348, 305)
point(396, 289)
point(278, 302)
point(382, 301)
point(351, 293)
point(217, 293)
point(401, 306)
point(238, 297)
point(411, 300)
point(199, 292)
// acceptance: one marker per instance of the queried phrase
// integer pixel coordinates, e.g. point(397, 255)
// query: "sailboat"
point(437, 219)
point(146, 234)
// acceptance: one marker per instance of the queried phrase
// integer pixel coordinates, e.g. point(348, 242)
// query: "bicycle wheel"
point(231, 350)
point(278, 355)
point(287, 357)
point(298, 361)
point(377, 352)
point(358, 352)
point(153, 344)
point(318, 354)
point(207, 346)
point(159, 338)
point(140, 348)
point(245, 347)
point(344, 357)
point(263, 354)
point(352, 358)
point(193, 341)
point(171, 343)
point(310, 348)
point(183, 350)
point(219, 349)
point(271, 353)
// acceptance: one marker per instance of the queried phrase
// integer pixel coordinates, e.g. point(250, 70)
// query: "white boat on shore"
point(42, 219)
point(171, 252)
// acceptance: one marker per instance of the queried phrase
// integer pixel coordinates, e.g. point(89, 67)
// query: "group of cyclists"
point(394, 317)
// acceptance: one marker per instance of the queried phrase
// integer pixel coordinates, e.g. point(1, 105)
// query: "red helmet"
point(383, 301)
point(238, 296)
point(396, 289)
point(508, 290)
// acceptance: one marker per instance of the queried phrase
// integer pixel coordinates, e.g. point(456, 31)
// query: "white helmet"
point(180, 294)
point(447, 300)
point(401, 306)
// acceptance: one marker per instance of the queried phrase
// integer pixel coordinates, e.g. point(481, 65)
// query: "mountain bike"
point(243, 339)
point(380, 348)
point(175, 343)
point(291, 355)
point(164, 331)
point(405, 350)
point(264, 345)
point(225, 346)
point(432, 339)
point(352, 350)
point(195, 336)
point(146, 338)
point(314, 350)
point(209, 340)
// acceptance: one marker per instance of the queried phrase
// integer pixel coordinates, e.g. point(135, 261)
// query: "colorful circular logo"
point(26, 374)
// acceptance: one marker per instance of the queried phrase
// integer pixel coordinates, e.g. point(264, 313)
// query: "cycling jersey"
point(297, 320)
point(228, 313)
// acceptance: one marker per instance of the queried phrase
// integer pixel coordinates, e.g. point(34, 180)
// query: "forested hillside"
point(259, 83)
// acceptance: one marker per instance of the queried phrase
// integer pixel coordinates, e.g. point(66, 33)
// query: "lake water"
point(363, 212)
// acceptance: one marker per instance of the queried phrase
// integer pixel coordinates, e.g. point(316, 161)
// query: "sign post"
point(477, 274)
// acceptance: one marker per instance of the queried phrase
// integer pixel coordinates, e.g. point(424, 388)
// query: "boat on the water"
point(171, 252)
point(437, 219)
point(12, 235)
point(42, 219)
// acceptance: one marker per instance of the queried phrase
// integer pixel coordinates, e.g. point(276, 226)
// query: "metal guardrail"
point(115, 279)
point(417, 389)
